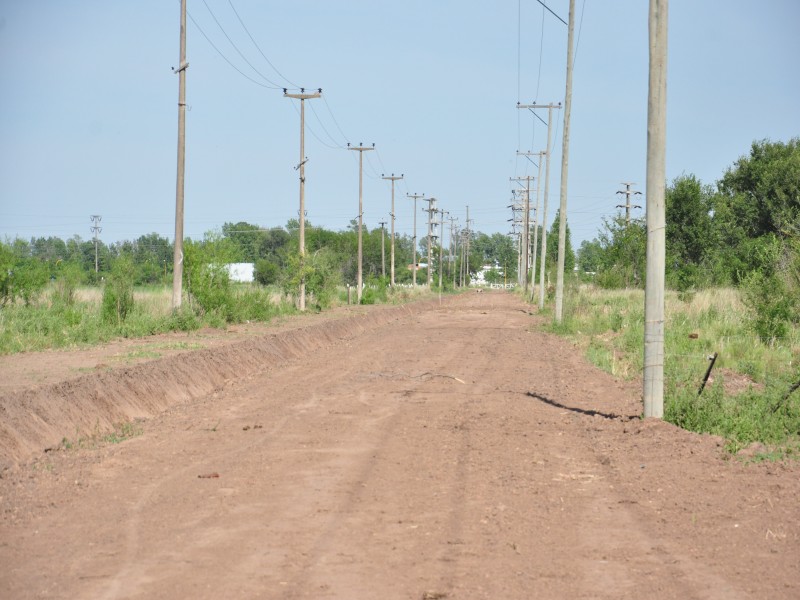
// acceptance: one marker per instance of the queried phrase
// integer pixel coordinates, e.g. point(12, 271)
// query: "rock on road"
point(453, 453)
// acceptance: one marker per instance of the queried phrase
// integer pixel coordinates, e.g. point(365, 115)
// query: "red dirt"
point(424, 452)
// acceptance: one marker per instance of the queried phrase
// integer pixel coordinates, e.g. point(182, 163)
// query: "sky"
point(88, 107)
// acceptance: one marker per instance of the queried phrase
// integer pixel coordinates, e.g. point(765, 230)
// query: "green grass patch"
point(745, 402)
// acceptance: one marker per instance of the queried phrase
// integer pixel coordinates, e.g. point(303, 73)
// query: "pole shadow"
point(583, 411)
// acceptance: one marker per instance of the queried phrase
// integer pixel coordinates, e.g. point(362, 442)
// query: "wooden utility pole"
point(360, 149)
point(562, 221)
point(656, 176)
point(177, 261)
point(543, 257)
point(383, 252)
point(96, 229)
point(392, 178)
point(415, 197)
point(628, 206)
point(301, 166)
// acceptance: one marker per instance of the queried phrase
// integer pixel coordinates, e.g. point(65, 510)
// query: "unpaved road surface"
point(451, 452)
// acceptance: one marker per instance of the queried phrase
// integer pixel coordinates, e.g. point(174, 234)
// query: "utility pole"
point(96, 229)
point(360, 149)
point(466, 251)
point(302, 96)
point(653, 375)
point(392, 178)
point(628, 206)
point(562, 222)
point(525, 240)
point(415, 197)
point(516, 207)
point(383, 253)
point(177, 261)
point(543, 257)
point(431, 210)
point(452, 250)
point(441, 245)
point(540, 154)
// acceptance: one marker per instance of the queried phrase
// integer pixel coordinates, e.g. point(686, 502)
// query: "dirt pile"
point(36, 419)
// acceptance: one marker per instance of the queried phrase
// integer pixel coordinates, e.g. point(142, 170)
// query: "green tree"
point(552, 247)
point(689, 235)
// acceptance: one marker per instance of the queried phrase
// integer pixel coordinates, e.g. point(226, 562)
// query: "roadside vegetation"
point(51, 296)
point(733, 275)
point(747, 399)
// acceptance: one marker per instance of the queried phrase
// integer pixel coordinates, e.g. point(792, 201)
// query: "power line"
point(257, 46)
point(551, 12)
point(227, 60)
point(235, 47)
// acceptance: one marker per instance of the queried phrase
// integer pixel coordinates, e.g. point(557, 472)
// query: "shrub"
point(118, 292)
point(770, 305)
point(266, 272)
point(67, 281)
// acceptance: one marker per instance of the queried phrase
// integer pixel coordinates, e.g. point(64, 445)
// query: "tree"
point(623, 255)
point(246, 239)
point(552, 246)
point(689, 234)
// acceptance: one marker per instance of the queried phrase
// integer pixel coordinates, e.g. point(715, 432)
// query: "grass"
point(50, 323)
point(120, 433)
point(744, 403)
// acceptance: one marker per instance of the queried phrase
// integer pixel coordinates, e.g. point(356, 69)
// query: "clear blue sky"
point(88, 106)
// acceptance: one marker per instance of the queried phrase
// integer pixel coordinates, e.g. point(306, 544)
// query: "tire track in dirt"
point(449, 453)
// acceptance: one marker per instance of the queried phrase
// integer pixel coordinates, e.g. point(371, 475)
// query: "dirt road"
point(452, 453)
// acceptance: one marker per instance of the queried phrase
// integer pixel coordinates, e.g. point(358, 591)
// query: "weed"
point(609, 326)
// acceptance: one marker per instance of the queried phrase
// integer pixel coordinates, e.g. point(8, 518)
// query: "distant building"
point(241, 272)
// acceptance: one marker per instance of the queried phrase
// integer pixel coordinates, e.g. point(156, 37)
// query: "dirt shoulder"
point(446, 451)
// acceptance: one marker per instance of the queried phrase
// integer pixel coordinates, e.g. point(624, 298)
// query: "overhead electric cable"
point(552, 13)
point(235, 47)
point(269, 62)
point(225, 58)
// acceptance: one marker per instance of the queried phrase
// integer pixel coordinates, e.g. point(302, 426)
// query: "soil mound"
point(37, 419)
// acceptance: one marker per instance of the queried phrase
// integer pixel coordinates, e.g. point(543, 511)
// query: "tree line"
point(744, 231)
point(26, 266)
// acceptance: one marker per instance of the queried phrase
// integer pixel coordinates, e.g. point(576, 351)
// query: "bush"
point(206, 278)
point(266, 272)
point(321, 273)
point(118, 292)
point(770, 304)
point(67, 281)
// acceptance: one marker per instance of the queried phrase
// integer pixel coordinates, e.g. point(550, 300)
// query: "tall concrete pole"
point(543, 257)
point(177, 261)
point(392, 178)
point(525, 237)
point(302, 96)
point(431, 210)
point(536, 225)
point(415, 197)
point(383, 251)
point(628, 206)
point(441, 246)
point(360, 149)
point(466, 251)
point(562, 221)
point(656, 177)
point(96, 229)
